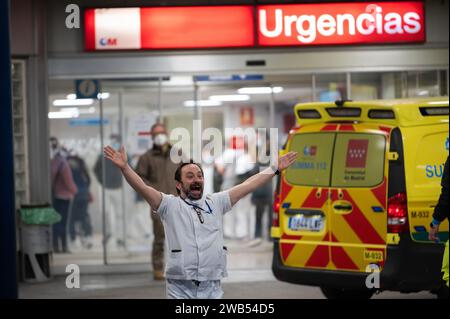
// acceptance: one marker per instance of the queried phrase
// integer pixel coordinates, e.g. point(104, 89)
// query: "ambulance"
point(352, 214)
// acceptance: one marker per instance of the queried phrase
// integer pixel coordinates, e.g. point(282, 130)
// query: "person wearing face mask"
point(154, 167)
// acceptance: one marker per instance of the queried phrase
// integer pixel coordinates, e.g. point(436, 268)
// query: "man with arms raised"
point(193, 224)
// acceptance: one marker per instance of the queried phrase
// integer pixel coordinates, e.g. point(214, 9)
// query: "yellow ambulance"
point(352, 214)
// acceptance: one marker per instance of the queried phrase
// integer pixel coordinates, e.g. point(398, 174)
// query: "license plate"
point(310, 223)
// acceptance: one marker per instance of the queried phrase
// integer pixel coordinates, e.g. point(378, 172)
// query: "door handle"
point(342, 207)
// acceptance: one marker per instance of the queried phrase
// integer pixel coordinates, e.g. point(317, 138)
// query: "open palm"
point(287, 160)
point(119, 158)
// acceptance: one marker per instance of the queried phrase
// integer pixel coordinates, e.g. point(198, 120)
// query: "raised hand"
point(119, 158)
point(287, 160)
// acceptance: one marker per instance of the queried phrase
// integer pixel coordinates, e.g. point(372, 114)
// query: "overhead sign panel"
point(238, 26)
point(341, 23)
point(169, 28)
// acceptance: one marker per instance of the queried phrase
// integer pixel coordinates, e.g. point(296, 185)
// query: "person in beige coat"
point(155, 168)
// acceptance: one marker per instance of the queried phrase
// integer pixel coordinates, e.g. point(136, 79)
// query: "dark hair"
point(156, 125)
point(180, 167)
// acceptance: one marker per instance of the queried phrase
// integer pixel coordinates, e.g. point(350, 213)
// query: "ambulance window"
point(312, 167)
point(358, 160)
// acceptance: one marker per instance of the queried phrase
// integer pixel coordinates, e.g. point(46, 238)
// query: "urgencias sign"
point(239, 26)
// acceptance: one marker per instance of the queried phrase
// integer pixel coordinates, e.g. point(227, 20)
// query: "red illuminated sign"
point(235, 26)
point(340, 23)
point(170, 28)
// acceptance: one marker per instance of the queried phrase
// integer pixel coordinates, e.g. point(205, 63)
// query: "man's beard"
point(193, 191)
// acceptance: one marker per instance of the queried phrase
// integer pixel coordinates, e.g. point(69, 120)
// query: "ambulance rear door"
point(358, 197)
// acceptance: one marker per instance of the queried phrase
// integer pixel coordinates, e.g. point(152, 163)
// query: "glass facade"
point(120, 221)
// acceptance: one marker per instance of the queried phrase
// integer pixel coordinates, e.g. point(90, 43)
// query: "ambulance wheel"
point(342, 293)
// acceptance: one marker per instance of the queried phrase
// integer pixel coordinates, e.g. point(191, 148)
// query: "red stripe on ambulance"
point(285, 189)
point(286, 249)
point(346, 127)
point(386, 130)
point(313, 202)
point(360, 225)
point(329, 127)
point(340, 258)
point(319, 258)
point(380, 193)
point(291, 237)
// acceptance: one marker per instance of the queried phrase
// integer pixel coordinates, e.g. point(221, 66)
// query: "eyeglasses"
point(199, 214)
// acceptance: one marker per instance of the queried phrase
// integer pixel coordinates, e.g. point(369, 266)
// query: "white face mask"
point(160, 139)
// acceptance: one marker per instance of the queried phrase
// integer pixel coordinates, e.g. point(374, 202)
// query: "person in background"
point(63, 191)
point(193, 223)
point(155, 167)
point(139, 225)
point(262, 197)
point(113, 195)
point(79, 215)
point(208, 166)
point(236, 165)
point(439, 215)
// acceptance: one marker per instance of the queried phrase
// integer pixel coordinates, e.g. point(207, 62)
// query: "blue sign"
point(446, 144)
point(87, 89)
point(233, 77)
point(87, 122)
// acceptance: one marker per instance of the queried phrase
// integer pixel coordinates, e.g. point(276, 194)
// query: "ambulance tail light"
point(276, 210)
point(397, 214)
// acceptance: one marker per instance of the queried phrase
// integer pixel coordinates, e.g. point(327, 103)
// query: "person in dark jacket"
point(262, 198)
point(439, 215)
point(79, 215)
point(155, 169)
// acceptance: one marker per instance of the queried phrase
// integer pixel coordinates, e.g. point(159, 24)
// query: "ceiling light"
point(73, 113)
point(103, 96)
point(230, 98)
point(77, 111)
point(77, 102)
point(191, 103)
point(260, 90)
